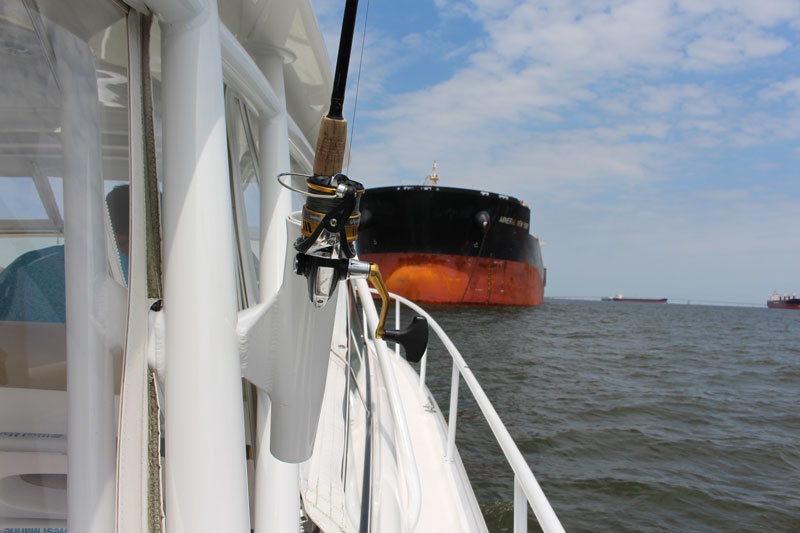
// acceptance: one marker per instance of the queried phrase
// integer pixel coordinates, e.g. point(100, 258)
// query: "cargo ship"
point(620, 298)
point(449, 245)
point(783, 301)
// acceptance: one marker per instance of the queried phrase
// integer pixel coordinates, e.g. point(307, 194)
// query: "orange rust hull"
point(455, 279)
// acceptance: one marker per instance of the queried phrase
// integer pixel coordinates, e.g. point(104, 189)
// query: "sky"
point(657, 141)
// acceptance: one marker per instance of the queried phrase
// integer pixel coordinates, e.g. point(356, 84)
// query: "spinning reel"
point(326, 255)
point(331, 213)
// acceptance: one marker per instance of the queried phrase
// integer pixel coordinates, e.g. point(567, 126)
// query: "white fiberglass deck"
point(527, 491)
point(349, 437)
point(448, 502)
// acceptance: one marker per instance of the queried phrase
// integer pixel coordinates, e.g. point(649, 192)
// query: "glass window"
point(61, 155)
point(245, 192)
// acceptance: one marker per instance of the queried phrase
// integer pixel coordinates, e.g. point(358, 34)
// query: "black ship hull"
point(449, 245)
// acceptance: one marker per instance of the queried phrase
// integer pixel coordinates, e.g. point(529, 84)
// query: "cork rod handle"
point(331, 144)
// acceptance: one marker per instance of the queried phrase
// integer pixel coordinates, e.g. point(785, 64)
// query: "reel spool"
point(329, 202)
point(325, 251)
point(329, 227)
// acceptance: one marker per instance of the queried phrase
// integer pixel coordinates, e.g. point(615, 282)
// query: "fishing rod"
point(332, 138)
point(331, 216)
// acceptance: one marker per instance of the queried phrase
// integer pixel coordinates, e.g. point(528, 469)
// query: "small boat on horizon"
point(619, 298)
point(783, 301)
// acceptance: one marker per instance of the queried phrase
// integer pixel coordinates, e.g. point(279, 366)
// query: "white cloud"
point(776, 91)
point(551, 65)
point(708, 52)
point(602, 40)
point(670, 98)
point(761, 13)
point(598, 113)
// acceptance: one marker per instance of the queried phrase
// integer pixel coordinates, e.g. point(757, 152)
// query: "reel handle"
point(414, 337)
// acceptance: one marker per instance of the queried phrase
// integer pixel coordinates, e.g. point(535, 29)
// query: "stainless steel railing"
point(404, 447)
point(526, 488)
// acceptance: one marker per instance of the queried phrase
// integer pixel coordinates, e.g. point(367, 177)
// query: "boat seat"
point(33, 458)
point(33, 454)
point(34, 355)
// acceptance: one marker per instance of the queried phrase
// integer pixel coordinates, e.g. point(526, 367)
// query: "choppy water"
point(634, 417)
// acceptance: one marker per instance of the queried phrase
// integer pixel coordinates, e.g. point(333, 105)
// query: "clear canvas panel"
point(63, 234)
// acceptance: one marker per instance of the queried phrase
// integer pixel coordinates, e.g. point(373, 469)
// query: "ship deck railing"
point(527, 491)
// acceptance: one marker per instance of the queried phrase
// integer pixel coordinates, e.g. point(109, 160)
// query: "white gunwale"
point(386, 458)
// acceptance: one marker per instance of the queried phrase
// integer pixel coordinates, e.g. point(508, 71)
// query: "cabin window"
point(245, 192)
point(63, 245)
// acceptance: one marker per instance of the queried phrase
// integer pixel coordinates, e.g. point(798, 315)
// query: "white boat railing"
point(402, 434)
point(526, 488)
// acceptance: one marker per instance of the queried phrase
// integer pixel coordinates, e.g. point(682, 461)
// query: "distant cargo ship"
point(620, 298)
point(783, 301)
point(447, 245)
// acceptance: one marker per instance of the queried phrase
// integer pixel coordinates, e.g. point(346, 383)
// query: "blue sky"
point(657, 141)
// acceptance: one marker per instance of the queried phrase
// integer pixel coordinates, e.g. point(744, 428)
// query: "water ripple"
point(634, 417)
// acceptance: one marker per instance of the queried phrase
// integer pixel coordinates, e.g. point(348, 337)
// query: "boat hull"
point(446, 245)
point(790, 304)
point(637, 300)
point(454, 279)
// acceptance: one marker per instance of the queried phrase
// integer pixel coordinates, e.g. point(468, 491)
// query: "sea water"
point(633, 417)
